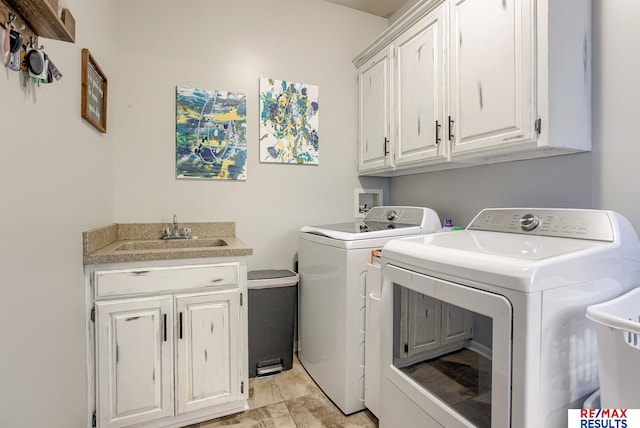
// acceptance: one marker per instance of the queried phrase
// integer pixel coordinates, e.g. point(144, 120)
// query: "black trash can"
point(273, 297)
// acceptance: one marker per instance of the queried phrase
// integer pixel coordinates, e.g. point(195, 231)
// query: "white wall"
point(616, 90)
point(563, 182)
point(57, 176)
point(603, 179)
point(229, 46)
point(55, 181)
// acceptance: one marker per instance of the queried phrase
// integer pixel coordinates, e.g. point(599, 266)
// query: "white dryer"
point(332, 264)
point(486, 327)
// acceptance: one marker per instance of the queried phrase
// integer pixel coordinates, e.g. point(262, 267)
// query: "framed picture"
point(94, 92)
point(288, 122)
point(211, 134)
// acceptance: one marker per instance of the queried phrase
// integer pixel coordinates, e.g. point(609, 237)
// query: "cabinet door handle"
point(386, 146)
point(165, 327)
point(451, 122)
point(180, 326)
point(438, 132)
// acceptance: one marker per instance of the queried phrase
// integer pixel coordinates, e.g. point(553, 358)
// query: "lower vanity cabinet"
point(429, 327)
point(169, 354)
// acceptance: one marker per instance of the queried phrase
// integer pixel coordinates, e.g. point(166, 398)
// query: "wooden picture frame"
point(94, 92)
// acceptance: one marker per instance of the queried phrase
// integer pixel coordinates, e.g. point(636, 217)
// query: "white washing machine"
point(486, 327)
point(332, 263)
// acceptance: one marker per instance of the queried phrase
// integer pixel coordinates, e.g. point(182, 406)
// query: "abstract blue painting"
point(288, 122)
point(211, 130)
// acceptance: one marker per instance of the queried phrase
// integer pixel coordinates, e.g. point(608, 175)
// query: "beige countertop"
point(132, 242)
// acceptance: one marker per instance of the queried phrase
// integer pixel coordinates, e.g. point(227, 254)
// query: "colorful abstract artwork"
point(288, 122)
point(211, 134)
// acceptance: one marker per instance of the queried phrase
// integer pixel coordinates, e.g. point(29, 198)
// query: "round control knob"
point(392, 215)
point(529, 222)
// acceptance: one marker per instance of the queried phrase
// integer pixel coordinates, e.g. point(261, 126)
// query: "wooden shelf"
point(42, 18)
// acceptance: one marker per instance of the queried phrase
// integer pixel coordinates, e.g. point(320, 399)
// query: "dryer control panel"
point(562, 223)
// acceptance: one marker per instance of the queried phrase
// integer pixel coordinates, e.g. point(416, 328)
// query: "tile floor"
point(288, 400)
point(462, 379)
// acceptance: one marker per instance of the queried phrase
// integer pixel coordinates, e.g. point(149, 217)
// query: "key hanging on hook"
point(11, 23)
point(6, 41)
point(33, 42)
point(10, 18)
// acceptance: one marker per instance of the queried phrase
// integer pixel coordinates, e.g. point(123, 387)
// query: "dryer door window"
point(451, 348)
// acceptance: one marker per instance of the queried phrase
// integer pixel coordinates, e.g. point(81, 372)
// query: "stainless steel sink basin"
point(160, 244)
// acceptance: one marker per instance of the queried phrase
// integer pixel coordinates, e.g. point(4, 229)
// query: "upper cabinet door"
point(208, 348)
point(375, 126)
point(420, 90)
point(492, 75)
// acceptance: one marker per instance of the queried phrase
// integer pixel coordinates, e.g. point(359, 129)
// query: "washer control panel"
point(405, 215)
point(562, 223)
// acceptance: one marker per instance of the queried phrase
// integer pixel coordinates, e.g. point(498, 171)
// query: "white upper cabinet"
point(420, 91)
point(374, 79)
point(491, 77)
point(498, 80)
point(563, 75)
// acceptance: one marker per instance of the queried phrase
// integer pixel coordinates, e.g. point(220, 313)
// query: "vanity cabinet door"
point(492, 76)
point(208, 344)
point(375, 109)
point(134, 361)
point(423, 324)
point(456, 324)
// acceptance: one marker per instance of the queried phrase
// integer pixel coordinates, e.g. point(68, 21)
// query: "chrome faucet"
point(175, 225)
point(176, 234)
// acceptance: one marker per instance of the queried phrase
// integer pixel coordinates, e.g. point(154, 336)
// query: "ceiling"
point(383, 8)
